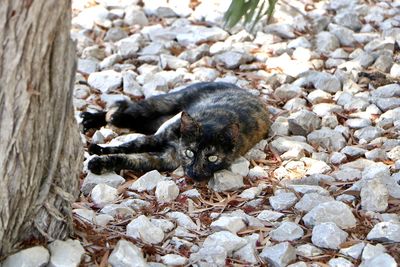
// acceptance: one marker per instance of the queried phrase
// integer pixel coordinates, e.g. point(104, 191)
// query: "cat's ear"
point(189, 126)
point(230, 134)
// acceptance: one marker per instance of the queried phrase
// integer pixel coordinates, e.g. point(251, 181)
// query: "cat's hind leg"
point(140, 162)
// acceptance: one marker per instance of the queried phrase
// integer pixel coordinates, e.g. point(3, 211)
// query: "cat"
point(203, 128)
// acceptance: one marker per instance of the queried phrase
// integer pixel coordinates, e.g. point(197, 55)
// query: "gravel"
point(334, 135)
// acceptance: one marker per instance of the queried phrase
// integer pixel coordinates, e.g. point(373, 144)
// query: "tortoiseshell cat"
point(210, 125)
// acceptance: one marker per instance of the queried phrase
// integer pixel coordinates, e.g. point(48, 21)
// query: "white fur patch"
point(167, 123)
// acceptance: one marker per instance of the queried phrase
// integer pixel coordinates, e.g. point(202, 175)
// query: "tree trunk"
point(40, 149)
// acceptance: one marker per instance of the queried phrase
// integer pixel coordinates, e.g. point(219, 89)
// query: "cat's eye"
point(212, 158)
point(189, 153)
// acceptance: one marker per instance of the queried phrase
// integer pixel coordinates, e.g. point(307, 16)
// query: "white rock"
point(148, 181)
point(201, 34)
point(368, 134)
point(279, 255)
point(103, 219)
point(31, 257)
point(173, 260)
point(303, 122)
point(340, 262)
point(240, 166)
point(374, 196)
point(87, 66)
point(210, 256)
point(281, 30)
point(86, 214)
point(126, 254)
point(65, 253)
point(166, 191)
point(326, 42)
point(252, 192)
point(105, 81)
point(332, 211)
point(225, 180)
point(314, 166)
point(327, 138)
point(248, 252)
point(134, 16)
point(311, 200)
point(287, 231)
point(232, 59)
point(230, 242)
point(298, 264)
point(394, 153)
point(385, 232)
point(90, 16)
point(129, 46)
point(172, 62)
point(117, 210)
point(103, 194)
point(192, 193)
point(353, 251)
point(142, 228)
point(91, 180)
point(383, 259)
point(371, 251)
point(130, 85)
point(307, 189)
point(328, 235)
point(166, 225)
point(284, 144)
point(227, 223)
point(283, 201)
point(308, 250)
point(182, 220)
point(395, 70)
point(347, 175)
point(269, 215)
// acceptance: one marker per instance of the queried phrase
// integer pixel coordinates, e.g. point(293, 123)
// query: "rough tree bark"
point(40, 150)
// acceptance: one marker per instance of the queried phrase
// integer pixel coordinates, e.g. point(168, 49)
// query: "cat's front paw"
point(93, 120)
point(96, 165)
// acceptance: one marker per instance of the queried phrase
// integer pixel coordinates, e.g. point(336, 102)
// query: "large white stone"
point(374, 196)
point(385, 232)
point(31, 257)
point(142, 228)
point(173, 260)
point(65, 253)
point(167, 191)
point(328, 235)
point(91, 180)
point(126, 254)
point(332, 211)
point(287, 231)
point(225, 180)
point(103, 194)
point(279, 255)
point(182, 220)
point(227, 223)
point(105, 81)
point(147, 182)
point(230, 242)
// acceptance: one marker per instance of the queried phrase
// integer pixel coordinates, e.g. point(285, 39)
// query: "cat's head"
point(205, 149)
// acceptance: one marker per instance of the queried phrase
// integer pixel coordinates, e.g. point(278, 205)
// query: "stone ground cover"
point(322, 190)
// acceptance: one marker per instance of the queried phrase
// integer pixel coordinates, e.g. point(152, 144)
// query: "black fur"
point(218, 120)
